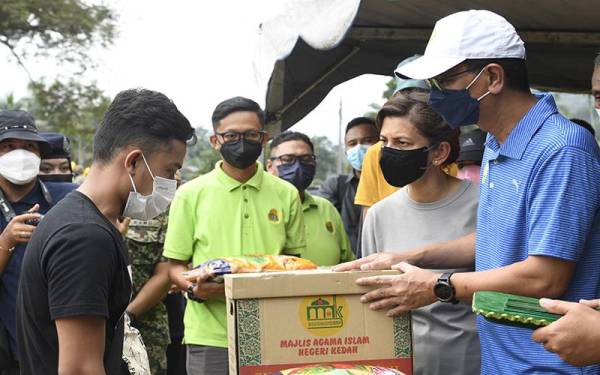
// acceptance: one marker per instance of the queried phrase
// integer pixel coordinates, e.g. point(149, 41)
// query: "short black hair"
point(515, 71)
point(291, 136)
point(585, 125)
point(361, 121)
point(597, 59)
point(139, 117)
point(236, 104)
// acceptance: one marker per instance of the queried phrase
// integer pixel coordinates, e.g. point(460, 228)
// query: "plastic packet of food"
point(249, 264)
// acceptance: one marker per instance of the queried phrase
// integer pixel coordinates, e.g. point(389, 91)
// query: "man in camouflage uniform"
point(151, 283)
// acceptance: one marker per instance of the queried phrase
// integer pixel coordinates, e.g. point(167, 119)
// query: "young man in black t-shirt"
point(74, 283)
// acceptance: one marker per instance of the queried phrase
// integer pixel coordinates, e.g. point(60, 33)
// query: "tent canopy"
point(562, 38)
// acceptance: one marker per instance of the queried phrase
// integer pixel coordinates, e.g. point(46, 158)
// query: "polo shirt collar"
point(232, 184)
point(515, 144)
point(34, 196)
point(308, 202)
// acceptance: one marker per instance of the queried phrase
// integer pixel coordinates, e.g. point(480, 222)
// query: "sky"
point(198, 53)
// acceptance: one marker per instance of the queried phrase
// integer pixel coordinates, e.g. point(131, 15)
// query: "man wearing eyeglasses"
point(538, 223)
point(236, 209)
point(293, 160)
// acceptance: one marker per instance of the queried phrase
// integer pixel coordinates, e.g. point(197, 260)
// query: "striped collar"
point(523, 132)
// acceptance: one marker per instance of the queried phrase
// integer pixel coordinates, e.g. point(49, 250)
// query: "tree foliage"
point(326, 158)
point(201, 157)
point(71, 108)
point(66, 29)
point(390, 86)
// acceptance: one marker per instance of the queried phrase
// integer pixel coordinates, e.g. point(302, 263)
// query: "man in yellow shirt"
point(293, 160)
point(236, 209)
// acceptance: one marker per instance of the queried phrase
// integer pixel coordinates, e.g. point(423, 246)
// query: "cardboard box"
point(290, 319)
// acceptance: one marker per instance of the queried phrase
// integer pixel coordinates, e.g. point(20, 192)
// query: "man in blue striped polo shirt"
point(538, 228)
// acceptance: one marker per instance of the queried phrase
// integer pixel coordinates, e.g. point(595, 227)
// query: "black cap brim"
point(28, 136)
point(475, 155)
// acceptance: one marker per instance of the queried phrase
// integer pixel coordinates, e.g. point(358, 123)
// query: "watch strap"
point(445, 279)
point(190, 294)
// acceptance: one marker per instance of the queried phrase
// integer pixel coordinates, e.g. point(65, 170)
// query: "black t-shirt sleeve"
point(79, 262)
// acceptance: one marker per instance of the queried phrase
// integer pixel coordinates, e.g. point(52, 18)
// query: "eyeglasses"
point(307, 159)
point(250, 135)
point(438, 83)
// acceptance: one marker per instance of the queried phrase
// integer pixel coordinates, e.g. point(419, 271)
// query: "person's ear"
point(272, 168)
point(132, 159)
point(265, 138)
point(269, 166)
point(214, 142)
point(440, 154)
point(495, 78)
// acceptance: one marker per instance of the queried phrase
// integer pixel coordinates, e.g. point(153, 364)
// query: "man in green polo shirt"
point(236, 209)
point(293, 159)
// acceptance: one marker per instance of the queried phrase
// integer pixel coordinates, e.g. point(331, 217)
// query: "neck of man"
point(356, 173)
point(433, 186)
point(504, 115)
point(101, 188)
point(14, 192)
point(240, 175)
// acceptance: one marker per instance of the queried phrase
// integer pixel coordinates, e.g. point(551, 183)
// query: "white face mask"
point(146, 207)
point(597, 112)
point(19, 166)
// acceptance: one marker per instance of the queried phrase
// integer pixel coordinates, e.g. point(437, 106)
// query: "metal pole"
point(340, 148)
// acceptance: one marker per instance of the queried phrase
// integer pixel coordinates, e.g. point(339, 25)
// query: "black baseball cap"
point(472, 145)
point(17, 124)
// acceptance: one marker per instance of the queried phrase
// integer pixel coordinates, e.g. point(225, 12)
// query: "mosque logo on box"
point(323, 315)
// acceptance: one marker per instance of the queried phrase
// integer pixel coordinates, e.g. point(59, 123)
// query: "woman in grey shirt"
point(430, 207)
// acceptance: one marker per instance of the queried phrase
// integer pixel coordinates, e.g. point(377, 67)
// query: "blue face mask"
point(457, 107)
point(298, 174)
point(356, 155)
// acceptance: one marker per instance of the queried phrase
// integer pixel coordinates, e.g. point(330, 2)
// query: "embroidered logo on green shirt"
point(273, 216)
point(329, 226)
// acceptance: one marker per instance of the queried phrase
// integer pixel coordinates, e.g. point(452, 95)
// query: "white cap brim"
point(426, 67)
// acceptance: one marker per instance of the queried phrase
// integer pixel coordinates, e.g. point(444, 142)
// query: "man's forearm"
point(536, 276)
point(458, 253)
point(151, 294)
point(176, 269)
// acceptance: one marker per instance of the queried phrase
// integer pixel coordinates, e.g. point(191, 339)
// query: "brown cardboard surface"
point(290, 319)
point(296, 283)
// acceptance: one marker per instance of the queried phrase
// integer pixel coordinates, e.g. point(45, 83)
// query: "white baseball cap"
point(472, 34)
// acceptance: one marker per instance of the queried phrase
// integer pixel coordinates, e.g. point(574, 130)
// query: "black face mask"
point(401, 167)
point(241, 154)
point(56, 177)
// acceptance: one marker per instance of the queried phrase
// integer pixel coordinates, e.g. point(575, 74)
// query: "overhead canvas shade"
point(371, 36)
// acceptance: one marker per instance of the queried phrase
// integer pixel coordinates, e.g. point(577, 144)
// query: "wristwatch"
point(444, 290)
point(191, 296)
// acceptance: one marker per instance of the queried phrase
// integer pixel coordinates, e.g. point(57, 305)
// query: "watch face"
point(443, 291)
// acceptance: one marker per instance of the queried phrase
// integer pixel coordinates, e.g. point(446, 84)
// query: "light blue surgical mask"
point(356, 155)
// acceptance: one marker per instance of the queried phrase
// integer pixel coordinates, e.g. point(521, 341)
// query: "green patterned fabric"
point(145, 241)
point(248, 312)
point(402, 336)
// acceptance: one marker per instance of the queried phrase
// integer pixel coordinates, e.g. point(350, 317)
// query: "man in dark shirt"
point(74, 283)
point(361, 133)
point(23, 199)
